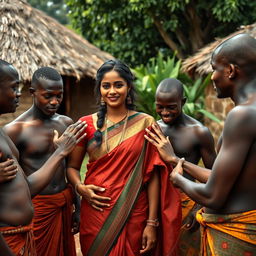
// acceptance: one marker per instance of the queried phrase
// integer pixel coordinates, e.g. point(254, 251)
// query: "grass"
point(83, 168)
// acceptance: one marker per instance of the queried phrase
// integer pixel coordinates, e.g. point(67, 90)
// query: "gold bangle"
point(78, 183)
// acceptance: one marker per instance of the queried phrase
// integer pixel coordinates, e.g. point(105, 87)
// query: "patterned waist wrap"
point(229, 234)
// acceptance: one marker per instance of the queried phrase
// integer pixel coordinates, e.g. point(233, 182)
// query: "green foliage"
point(194, 93)
point(128, 29)
point(148, 77)
point(54, 8)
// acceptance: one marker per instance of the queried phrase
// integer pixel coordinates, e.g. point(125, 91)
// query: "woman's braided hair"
point(124, 71)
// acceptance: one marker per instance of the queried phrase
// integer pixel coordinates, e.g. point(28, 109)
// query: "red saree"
point(112, 171)
point(52, 224)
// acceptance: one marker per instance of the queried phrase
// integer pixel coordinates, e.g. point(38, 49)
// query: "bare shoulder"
point(242, 112)
point(196, 127)
point(65, 120)
point(14, 128)
point(241, 119)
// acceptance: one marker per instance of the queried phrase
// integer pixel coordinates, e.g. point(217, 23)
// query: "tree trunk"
point(167, 39)
point(196, 34)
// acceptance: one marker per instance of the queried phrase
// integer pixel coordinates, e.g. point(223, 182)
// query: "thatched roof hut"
point(30, 39)
point(200, 62)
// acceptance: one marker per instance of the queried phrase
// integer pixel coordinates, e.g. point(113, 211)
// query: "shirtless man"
point(191, 140)
point(54, 205)
point(16, 189)
point(229, 217)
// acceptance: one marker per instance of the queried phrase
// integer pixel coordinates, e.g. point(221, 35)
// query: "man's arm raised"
point(65, 144)
point(166, 152)
point(237, 138)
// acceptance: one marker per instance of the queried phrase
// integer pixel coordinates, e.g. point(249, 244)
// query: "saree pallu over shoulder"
point(136, 123)
point(113, 171)
point(229, 234)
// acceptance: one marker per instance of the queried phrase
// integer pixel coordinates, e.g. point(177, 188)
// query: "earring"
point(128, 100)
point(102, 102)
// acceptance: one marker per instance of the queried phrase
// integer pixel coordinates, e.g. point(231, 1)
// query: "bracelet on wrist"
point(153, 223)
point(77, 184)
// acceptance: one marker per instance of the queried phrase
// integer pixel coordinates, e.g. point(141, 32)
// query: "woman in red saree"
point(126, 193)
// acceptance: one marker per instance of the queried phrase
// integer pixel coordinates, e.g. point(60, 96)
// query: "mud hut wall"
point(220, 108)
point(83, 101)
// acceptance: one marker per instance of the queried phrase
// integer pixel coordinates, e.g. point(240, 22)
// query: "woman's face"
point(113, 89)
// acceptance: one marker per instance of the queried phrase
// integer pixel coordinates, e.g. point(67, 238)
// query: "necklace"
point(122, 134)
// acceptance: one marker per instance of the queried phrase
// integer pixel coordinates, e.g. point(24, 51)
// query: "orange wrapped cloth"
point(53, 224)
point(189, 244)
point(20, 240)
point(229, 234)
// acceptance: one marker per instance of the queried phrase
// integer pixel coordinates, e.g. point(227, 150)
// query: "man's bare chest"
point(38, 140)
point(185, 143)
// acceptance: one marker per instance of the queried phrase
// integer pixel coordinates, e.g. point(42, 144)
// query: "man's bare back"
point(238, 151)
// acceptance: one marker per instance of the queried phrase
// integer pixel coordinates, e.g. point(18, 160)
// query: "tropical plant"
point(148, 78)
point(194, 93)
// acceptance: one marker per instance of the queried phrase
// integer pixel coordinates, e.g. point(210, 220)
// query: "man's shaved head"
point(170, 85)
point(6, 69)
point(239, 50)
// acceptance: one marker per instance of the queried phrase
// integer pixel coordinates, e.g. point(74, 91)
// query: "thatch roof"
point(200, 62)
point(30, 39)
